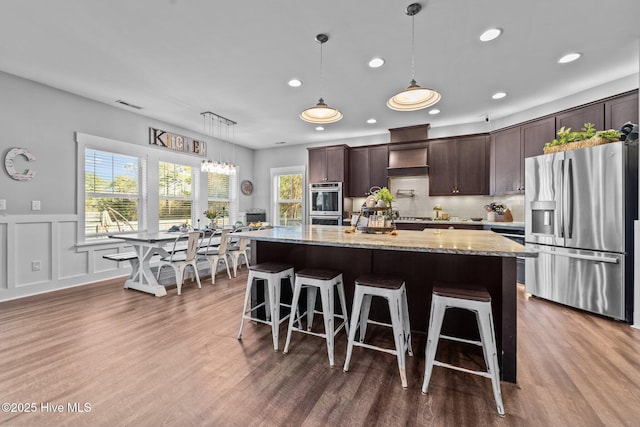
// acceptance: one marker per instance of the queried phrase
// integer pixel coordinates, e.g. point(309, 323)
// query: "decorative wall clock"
point(246, 187)
point(9, 164)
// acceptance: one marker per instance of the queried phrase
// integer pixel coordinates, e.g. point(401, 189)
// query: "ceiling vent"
point(120, 101)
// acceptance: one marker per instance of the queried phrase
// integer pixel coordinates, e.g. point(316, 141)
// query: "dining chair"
point(238, 247)
point(216, 253)
point(179, 257)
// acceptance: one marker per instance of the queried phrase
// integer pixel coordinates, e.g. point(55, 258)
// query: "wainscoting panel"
point(32, 245)
point(50, 240)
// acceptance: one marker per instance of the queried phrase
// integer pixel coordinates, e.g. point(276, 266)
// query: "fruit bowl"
point(476, 219)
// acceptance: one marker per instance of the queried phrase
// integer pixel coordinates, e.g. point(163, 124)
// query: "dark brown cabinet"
point(575, 119)
point(329, 164)
point(459, 166)
point(510, 147)
point(621, 110)
point(506, 167)
point(417, 226)
point(367, 168)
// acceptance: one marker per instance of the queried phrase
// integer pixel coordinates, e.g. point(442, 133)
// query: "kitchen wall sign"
point(172, 141)
point(9, 164)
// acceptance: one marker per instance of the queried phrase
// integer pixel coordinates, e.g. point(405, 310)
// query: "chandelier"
point(225, 127)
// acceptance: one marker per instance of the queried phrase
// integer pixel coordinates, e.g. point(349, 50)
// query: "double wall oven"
point(325, 203)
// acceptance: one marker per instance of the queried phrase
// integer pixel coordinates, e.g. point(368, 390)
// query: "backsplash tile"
point(421, 205)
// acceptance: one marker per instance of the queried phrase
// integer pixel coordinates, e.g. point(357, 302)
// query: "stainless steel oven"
point(325, 199)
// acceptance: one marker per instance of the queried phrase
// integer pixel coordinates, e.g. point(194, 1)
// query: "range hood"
point(408, 151)
point(408, 159)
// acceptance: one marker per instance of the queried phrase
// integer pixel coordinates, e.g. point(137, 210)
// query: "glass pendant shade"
point(321, 113)
point(413, 98)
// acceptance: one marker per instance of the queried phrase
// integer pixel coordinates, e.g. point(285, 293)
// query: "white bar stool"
point(478, 301)
point(325, 281)
point(272, 273)
point(393, 290)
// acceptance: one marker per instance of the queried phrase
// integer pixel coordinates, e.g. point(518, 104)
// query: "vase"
point(381, 204)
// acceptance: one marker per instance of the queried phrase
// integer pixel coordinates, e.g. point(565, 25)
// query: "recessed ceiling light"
point(434, 111)
point(371, 121)
point(570, 57)
point(319, 128)
point(376, 63)
point(490, 34)
point(295, 83)
point(499, 95)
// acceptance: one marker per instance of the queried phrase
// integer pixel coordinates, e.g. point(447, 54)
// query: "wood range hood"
point(408, 151)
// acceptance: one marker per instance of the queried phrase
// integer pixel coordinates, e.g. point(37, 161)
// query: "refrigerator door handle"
point(610, 260)
point(570, 198)
point(562, 201)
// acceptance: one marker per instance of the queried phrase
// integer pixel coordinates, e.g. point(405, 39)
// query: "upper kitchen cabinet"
point(459, 166)
point(510, 147)
point(367, 168)
point(329, 164)
point(619, 110)
point(575, 119)
point(506, 153)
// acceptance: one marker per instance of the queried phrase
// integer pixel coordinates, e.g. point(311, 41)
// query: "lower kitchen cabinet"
point(419, 226)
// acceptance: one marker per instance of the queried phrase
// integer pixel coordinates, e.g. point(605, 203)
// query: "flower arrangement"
point(385, 195)
point(495, 207)
point(211, 214)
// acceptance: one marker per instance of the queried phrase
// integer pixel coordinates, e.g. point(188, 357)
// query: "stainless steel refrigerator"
point(579, 211)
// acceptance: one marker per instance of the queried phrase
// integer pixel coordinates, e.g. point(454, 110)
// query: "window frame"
point(192, 198)
point(90, 142)
point(275, 193)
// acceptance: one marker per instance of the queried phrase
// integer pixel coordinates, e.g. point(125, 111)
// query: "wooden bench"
point(122, 256)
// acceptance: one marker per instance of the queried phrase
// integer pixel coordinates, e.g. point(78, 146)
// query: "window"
point(176, 195)
point(112, 193)
point(220, 197)
point(288, 195)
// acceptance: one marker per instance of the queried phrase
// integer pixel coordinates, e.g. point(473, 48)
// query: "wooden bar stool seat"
point(393, 290)
point(478, 301)
point(272, 273)
point(325, 281)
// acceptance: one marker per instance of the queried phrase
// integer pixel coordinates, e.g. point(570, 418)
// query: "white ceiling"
point(178, 58)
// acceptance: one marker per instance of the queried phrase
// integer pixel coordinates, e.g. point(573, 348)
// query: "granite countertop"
point(463, 242)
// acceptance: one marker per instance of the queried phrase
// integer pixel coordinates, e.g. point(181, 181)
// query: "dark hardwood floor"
point(146, 361)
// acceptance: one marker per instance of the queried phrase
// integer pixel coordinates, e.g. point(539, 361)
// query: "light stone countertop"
point(462, 242)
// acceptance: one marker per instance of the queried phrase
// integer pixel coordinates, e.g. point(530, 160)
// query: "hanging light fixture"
point(321, 112)
point(414, 97)
point(218, 166)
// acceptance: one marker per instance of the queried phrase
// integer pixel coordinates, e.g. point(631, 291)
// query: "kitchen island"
point(420, 258)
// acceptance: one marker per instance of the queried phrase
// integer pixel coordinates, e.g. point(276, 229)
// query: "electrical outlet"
point(3, 205)
point(35, 205)
point(36, 265)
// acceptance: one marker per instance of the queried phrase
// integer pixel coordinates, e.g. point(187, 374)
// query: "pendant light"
point(321, 112)
point(414, 97)
point(218, 166)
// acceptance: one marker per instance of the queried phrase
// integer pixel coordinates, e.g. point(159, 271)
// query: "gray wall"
point(44, 120)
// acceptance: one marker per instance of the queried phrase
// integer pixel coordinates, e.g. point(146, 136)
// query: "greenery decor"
point(385, 195)
point(589, 136)
point(212, 214)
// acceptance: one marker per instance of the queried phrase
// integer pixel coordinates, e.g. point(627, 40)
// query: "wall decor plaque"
point(172, 141)
point(9, 164)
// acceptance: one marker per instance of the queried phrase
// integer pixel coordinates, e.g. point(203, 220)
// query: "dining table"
point(146, 245)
